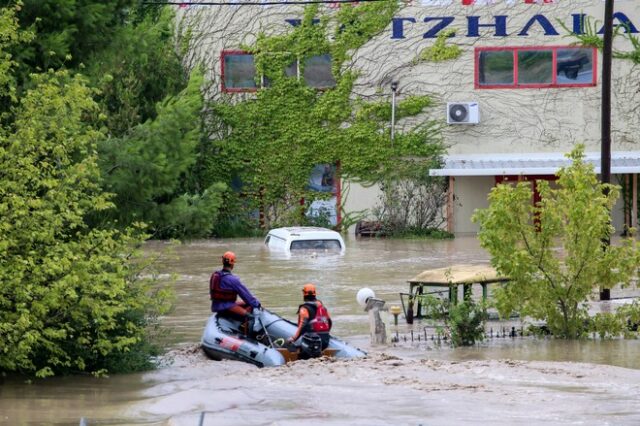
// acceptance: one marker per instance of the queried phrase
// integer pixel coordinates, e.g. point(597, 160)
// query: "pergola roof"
point(458, 274)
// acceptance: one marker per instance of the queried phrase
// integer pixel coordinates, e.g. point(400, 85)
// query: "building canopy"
point(531, 164)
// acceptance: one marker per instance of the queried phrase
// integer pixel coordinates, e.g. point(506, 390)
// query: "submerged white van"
point(305, 238)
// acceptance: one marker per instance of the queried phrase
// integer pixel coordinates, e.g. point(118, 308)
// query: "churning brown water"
point(503, 381)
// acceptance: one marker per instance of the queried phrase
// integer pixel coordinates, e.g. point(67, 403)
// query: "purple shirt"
point(231, 282)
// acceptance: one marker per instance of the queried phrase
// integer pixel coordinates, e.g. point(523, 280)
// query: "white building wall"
point(511, 120)
point(359, 200)
point(470, 193)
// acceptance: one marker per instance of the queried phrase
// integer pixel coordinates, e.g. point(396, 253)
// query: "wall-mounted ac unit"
point(463, 113)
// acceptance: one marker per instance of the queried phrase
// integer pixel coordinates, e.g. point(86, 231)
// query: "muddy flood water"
point(503, 381)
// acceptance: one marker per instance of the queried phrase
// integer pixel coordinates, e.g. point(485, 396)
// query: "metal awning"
point(622, 162)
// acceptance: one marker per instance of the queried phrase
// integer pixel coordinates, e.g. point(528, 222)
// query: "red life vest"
point(219, 294)
point(320, 321)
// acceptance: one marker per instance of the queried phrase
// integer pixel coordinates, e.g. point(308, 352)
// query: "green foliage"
point(632, 55)
point(607, 325)
point(591, 38)
point(623, 322)
point(67, 31)
point(466, 321)
point(273, 140)
point(135, 70)
point(440, 51)
point(553, 252)
point(70, 296)
point(463, 321)
point(10, 36)
point(146, 170)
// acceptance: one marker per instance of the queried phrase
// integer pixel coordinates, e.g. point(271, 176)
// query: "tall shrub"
point(553, 251)
point(70, 296)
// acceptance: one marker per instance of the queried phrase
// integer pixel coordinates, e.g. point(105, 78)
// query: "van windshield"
point(315, 245)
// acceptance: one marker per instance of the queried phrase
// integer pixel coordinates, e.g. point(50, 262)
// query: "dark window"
point(238, 72)
point(317, 72)
point(292, 70)
point(537, 67)
point(315, 245)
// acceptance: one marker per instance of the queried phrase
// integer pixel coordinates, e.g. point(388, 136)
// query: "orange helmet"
point(309, 290)
point(229, 258)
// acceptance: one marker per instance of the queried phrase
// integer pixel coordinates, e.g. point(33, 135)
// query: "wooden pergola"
point(451, 278)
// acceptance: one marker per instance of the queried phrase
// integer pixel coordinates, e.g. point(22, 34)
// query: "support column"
point(626, 203)
point(450, 199)
point(634, 201)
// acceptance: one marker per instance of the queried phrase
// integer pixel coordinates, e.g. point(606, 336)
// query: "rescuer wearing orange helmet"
point(313, 317)
point(224, 289)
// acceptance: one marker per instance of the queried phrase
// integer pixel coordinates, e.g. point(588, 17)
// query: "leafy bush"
point(71, 297)
point(464, 321)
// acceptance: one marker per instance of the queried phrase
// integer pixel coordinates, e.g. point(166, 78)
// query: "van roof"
point(304, 231)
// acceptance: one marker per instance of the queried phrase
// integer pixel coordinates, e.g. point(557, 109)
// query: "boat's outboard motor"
point(310, 346)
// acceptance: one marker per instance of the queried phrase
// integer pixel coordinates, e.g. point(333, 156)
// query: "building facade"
point(518, 97)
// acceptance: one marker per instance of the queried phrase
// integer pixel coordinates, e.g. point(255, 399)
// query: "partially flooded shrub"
point(464, 321)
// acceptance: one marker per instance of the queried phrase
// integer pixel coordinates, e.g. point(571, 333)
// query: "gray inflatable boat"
point(223, 339)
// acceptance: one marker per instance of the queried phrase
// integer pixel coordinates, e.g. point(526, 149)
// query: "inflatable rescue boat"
point(223, 338)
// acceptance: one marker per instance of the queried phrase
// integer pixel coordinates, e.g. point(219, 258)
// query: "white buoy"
point(363, 295)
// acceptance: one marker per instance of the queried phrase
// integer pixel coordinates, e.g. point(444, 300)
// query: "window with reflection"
point(238, 72)
point(496, 67)
point(535, 67)
point(575, 66)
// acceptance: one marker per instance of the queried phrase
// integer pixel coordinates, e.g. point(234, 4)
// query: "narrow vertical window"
point(495, 67)
point(535, 67)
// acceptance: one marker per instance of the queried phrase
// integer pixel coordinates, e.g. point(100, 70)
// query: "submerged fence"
point(428, 334)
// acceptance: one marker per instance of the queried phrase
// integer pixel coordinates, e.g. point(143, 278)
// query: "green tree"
point(71, 298)
point(138, 67)
point(146, 169)
point(67, 31)
point(553, 251)
point(272, 141)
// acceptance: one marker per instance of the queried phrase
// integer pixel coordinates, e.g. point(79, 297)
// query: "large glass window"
point(546, 66)
point(238, 72)
point(315, 245)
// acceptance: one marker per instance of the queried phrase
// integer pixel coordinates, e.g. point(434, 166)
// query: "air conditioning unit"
point(463, 113)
